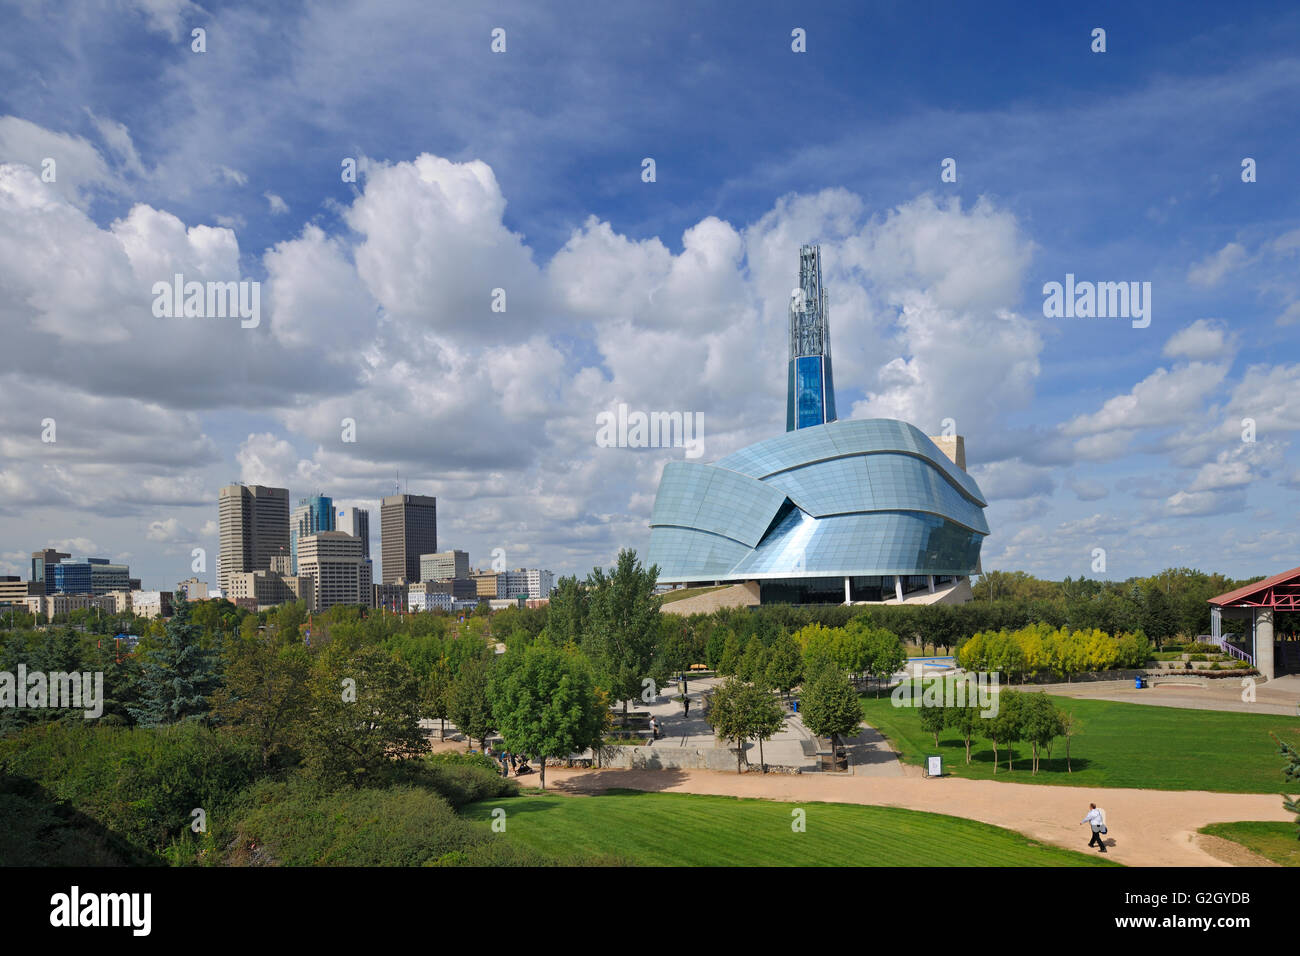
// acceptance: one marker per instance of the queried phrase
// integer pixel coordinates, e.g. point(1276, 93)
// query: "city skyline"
point(948, 206)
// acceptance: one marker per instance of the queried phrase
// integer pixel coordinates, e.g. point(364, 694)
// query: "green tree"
point(1040, 723)
point(622, 625)
point(266, 690)
point(468, 704)
point(729, 664)
point(753, 663)
point(365, 710)
point(1291, 772)
point(933, 720)
point(829, 706)
point(1070, 726)
point(740, 711)
point(965, 720)
point(177, 675)
point(887, 656)
point(784, 665)
point(546, 704)
point(1005, 727)
point(437, 694)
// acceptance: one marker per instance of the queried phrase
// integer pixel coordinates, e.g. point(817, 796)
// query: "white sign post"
point(934, 766)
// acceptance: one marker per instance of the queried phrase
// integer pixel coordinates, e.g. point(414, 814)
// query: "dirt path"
point(1147, 827)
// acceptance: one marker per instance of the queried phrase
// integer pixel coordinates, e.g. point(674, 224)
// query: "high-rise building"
point(254, 526)
point(313, 515)
point(356, 522)
point(341, 572)
point(72, 577)
point(14, 590)
point(105, 577)
point(408, 528)
point(810, 390)
point(43, 563)
point(444, 564)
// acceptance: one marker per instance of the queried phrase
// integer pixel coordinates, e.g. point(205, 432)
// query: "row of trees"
point(1041, 648)
point(1033, 718)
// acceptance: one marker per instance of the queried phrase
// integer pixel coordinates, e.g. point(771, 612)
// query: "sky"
point(1152, 442)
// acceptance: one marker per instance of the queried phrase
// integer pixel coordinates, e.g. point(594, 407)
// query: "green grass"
point(1118, 745)
point(672, 829)
point(684, 593)
point(1274, 841)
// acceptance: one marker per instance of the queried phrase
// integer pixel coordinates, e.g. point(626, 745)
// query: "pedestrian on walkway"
point(654, 732)
point(1097, 820)
point(686, 706)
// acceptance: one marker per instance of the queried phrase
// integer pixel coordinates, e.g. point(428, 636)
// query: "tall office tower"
point(408, 528)
point(356, 522)
point(254, 526)
point(810, 393)
point(444, 565)
point(43, 563)
point(340, 573)
point(313, 515)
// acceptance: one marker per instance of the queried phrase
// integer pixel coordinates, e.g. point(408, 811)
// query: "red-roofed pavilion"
point(1258, 603)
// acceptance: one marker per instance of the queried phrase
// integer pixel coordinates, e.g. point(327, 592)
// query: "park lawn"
point(683, 593)
point(679, 829)
point(1117, 745)
point(1271, 840)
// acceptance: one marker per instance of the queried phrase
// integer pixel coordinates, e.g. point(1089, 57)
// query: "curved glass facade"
point(859, 499)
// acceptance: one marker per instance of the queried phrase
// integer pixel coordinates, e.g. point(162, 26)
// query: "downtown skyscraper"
point(408, 527)
point(253, 523)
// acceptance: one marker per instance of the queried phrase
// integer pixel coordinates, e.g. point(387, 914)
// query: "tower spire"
point(810, 392)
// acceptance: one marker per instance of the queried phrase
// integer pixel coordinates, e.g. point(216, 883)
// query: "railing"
point(1222, 644)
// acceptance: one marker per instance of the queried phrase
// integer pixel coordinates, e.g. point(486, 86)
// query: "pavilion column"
point(847, 599)
point(1264, 641)
point(930, 581)
point(898, 587)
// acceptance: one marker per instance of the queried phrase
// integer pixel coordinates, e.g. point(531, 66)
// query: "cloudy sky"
point(522, 170)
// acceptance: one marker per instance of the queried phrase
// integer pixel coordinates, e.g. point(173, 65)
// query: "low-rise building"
point(271, 588)
point(444, 564)
point(151, 603)
point(193, 589)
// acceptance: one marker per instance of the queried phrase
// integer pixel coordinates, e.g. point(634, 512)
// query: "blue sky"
point(521, 170)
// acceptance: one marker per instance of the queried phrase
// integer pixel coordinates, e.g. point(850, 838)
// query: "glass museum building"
point(830, 511)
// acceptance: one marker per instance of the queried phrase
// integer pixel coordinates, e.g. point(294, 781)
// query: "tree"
point(546, 705)
point(784, 665)
point(830, 707)
point(177, 675)
point(729, 664)
point(437, 694)
point(887, 656)
point(468, 704)
point(622, 625)
point(739, 711)
point(1040, 723)
point(267, 690)
point(753, 663)
point(1070, 726)
point(1006, 725)
point(365, 710)
point(964, 720)
point(566, 612)
point(933, 720)
point(1290, 772)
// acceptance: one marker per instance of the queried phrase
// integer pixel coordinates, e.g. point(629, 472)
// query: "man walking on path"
point(1097, 820)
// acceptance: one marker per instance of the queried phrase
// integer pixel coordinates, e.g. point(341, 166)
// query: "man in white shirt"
point(1097, 819)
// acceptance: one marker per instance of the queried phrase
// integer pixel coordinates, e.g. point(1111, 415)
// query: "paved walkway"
point(1279, 696)
point(1147, 827)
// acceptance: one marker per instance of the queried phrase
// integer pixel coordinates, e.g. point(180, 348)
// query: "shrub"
point(459, 758)
point(140, 784)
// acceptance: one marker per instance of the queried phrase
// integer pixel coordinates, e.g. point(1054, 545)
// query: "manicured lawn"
point(1274, 841)
point(1118, 745)
point(675, 829)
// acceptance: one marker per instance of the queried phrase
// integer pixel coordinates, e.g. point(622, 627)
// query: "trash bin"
point(1137, 682)
point(795, 705)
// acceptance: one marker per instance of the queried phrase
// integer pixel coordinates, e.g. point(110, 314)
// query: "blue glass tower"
point(810, 392)
point(312, 516)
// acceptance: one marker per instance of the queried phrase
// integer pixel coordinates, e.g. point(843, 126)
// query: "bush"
point(458, 758)
point(140, 784)
point(1197, 657)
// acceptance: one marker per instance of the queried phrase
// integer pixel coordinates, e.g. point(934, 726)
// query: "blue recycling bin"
point(795, 705)
point(1137, 682)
